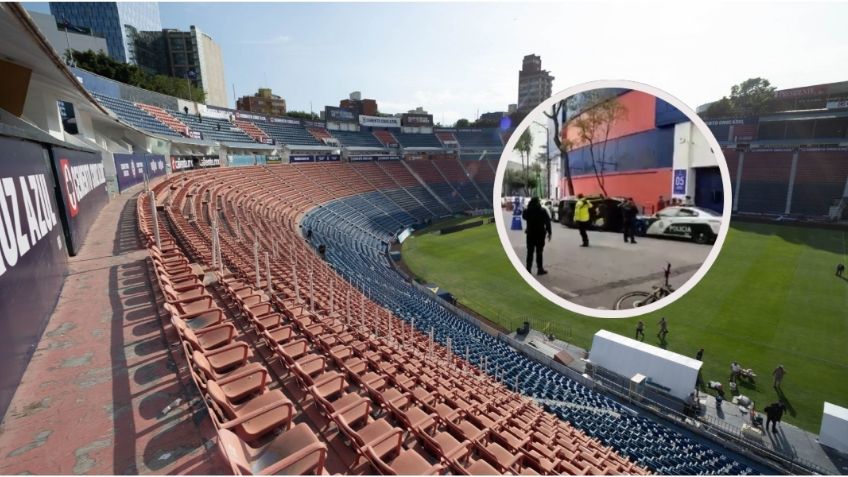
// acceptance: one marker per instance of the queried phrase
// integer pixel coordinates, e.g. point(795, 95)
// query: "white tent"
point(628, 357)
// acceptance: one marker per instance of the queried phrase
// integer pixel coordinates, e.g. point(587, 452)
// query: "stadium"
point(219, 292)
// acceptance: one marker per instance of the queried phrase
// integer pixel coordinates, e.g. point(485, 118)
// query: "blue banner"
point(130, 168)
point(679, 182)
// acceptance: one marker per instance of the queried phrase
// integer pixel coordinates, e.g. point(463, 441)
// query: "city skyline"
point(432, 55)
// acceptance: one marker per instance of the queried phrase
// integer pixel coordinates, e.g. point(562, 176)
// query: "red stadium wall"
point(645, 186)
point(640, 116)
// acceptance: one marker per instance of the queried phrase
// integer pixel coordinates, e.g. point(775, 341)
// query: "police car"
point(690, 223)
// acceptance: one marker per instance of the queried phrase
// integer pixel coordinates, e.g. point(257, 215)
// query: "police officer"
point(582, 217)
point(629, 212)
point(538, 225)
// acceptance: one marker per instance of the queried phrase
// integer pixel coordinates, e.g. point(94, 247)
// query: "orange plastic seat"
point(296, 451)
point(254, 418)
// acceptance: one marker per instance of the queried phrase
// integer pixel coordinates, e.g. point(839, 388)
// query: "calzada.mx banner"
point(83, 188)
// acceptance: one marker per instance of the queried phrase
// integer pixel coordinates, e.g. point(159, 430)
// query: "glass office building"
point(117, 22)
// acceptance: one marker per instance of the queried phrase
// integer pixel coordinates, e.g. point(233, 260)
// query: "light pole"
point(548, 155)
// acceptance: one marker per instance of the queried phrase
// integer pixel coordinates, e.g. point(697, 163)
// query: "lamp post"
point(548, 155)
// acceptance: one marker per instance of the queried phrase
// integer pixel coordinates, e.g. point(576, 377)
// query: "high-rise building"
point(118, 22)
point(534, 83)
point(64, 36)
point(263, 102)
point(192, 55)
point(355, 102)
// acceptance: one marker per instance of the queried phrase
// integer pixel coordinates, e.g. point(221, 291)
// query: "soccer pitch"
point(771, 298)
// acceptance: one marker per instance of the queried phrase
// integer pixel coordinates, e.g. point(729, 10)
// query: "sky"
point(457, 60)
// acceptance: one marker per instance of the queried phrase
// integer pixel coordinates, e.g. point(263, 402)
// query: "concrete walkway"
point(789, 441)
point(598, 275)
point(92, 397)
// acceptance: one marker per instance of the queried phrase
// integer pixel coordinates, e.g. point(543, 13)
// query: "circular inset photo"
point(615, 199)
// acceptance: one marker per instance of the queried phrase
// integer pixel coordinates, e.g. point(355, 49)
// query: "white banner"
point(837, 104)
point(380, 122)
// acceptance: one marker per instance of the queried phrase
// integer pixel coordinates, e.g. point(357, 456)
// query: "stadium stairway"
point(253, 131)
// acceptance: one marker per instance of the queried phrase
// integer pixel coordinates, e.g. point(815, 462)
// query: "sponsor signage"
point(180, 163)
point(679, 182)
point(285, 121)
point(83, 186)
point(131, 168)
point(837, 104)
point(730, 121)
point(339, 115)
point(209, 161)
point(298, 158)
point(802, 92)
point(195, 134)
point(380, 122)
point(374, 158)
point(251, 116)
point(217, 113)
point(417, 120)
point(33, 261)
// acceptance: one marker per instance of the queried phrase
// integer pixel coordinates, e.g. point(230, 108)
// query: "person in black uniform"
point(538, 225)
point(629, 212)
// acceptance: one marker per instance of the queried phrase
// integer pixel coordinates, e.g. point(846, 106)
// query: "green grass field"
point(771, 298)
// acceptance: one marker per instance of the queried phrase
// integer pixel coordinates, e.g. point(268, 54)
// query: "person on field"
point(840, 270)
point(629, 212)
point(778, 374)
point(663, 329)
point(582, 218)
point(538, 226)
point(640, 330)
point(700, 354)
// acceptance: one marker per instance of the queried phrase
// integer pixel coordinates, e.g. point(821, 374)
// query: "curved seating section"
point(405, 403)
point(128, 112)
point(454, 172)
point(362, 260)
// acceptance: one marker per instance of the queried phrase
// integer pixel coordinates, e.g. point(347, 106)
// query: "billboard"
point(417, 120)
point(339, 115)
point(33, 262)
point(294, 122)
point(180, 163)
point(298, 158)
point(83, 187)
point(130, 168)
point(251, 116)
point(378, 121)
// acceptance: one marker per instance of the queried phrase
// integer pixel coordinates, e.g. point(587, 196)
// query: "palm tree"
point(523, 146)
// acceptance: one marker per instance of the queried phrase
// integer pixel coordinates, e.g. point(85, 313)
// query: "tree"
point(557, 112)
point(302, 115)
point(523, 146)
point(462, 123)
point(750, 97)
point(103, 65)
point(593, 129)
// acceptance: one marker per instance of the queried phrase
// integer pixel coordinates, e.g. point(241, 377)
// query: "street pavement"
point(596, 276)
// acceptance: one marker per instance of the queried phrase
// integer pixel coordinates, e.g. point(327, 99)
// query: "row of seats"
point(362, 260)
point(404, 403)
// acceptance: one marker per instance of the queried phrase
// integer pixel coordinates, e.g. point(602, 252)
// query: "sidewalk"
point(92, 397)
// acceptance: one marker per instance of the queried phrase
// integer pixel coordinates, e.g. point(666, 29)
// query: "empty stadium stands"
point(215, 129)
point(386, 138)
point(129, 113)
point(479, 139)
point(820, 179)
point(284, 133)
point(765, 181)
point(166, 118)
point(428, 174)
point(418, 140)
point(344, 369)
point(357, 139)
point(322, 135)
point(251, 130)
point(453, 171)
